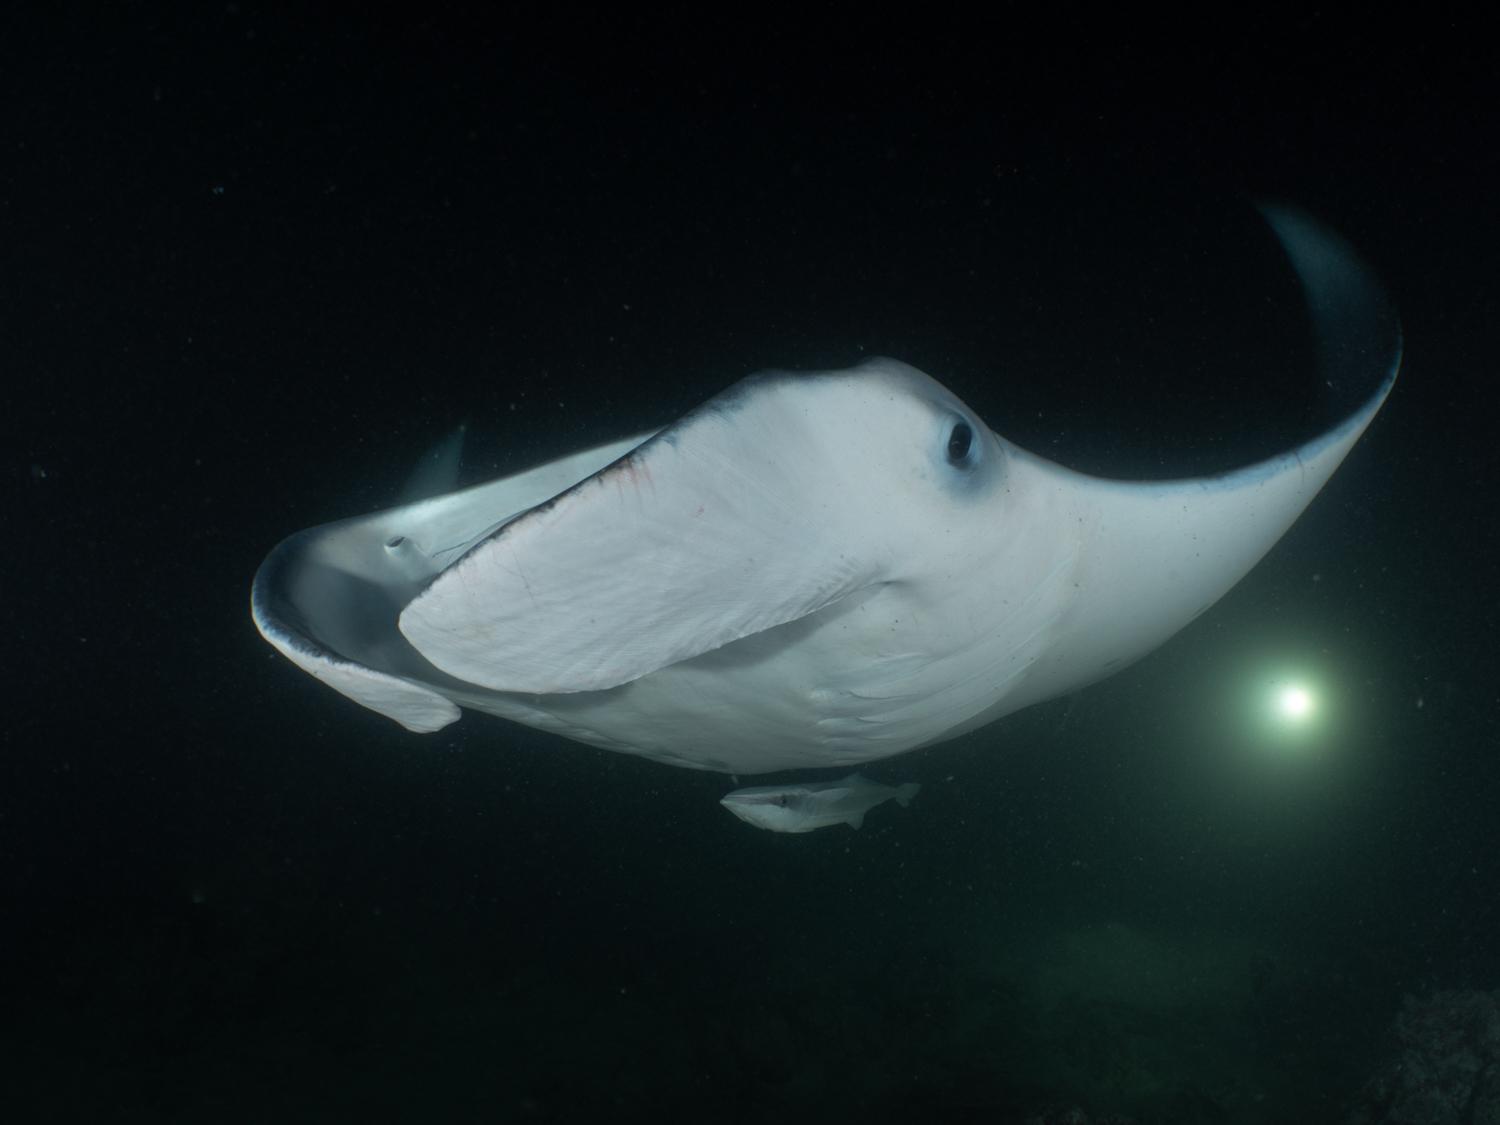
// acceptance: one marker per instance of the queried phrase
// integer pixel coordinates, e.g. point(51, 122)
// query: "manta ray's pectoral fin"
point(1153, 555)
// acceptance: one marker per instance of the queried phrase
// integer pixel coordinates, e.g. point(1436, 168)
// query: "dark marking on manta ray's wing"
point(627, 467)
point(631, 468)
point(629, 472)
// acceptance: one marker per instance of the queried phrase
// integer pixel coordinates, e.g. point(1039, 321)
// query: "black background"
point(253, 262)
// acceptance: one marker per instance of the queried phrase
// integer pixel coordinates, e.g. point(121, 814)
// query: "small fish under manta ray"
point(808, 570)
point(812, 805)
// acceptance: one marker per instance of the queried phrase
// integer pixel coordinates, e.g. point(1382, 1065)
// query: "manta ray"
point(815, 569)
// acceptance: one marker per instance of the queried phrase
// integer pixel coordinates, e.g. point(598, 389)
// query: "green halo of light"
point(1295, 703)
point(1287, 708)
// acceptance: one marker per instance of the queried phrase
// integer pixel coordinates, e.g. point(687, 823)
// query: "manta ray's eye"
point(960, 439)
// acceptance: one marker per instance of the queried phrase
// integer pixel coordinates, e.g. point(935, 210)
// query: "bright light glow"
point(1283, 713)
point(1293, 710)
point(1294, 703)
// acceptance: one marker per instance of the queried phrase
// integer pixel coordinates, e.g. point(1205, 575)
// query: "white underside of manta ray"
point(809, 570)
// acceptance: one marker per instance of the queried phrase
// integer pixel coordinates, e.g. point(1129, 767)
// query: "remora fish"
point(816, 804)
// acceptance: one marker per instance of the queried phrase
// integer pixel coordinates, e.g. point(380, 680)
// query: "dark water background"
point(253, 263)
